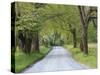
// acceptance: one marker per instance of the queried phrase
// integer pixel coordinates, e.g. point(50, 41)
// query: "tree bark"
point(35, 43)
point(84, 30)
point(73, 32)
point(81, 45)
point(85, 40)
point(74, 38)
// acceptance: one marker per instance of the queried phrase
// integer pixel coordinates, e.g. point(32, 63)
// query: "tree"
point(28, 24)
point(84, 24)
point(73, 31)
point(85, 15)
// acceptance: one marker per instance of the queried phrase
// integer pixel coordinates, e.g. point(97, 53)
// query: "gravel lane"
point(58, 59)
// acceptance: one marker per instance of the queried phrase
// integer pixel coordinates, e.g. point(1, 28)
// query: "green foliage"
point(22, 60)
point(92, 33)
point(47, 18)
point(52, 25)
point(90, 60)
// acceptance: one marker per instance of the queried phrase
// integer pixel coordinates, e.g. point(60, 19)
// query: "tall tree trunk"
point(74, 38)
point(85, 40)
point(81, 45)
point(35, 43)
point(73, 31)
point(28, 45)
point(84, 30)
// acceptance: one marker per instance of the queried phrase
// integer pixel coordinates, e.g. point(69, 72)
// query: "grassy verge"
point(89, 60)
point(22, 60)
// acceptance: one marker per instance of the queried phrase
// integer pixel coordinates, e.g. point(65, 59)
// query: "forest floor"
point(58, 59)
point(90, 59)
point(23, 60)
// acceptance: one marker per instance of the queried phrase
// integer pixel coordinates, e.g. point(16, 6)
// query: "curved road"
point(58, 59)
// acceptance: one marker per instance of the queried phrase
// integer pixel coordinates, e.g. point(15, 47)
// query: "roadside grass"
point(89, 60)
point(22, 60)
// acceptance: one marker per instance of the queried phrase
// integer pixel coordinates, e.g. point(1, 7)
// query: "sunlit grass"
point(22, 60)
point(90, 60)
